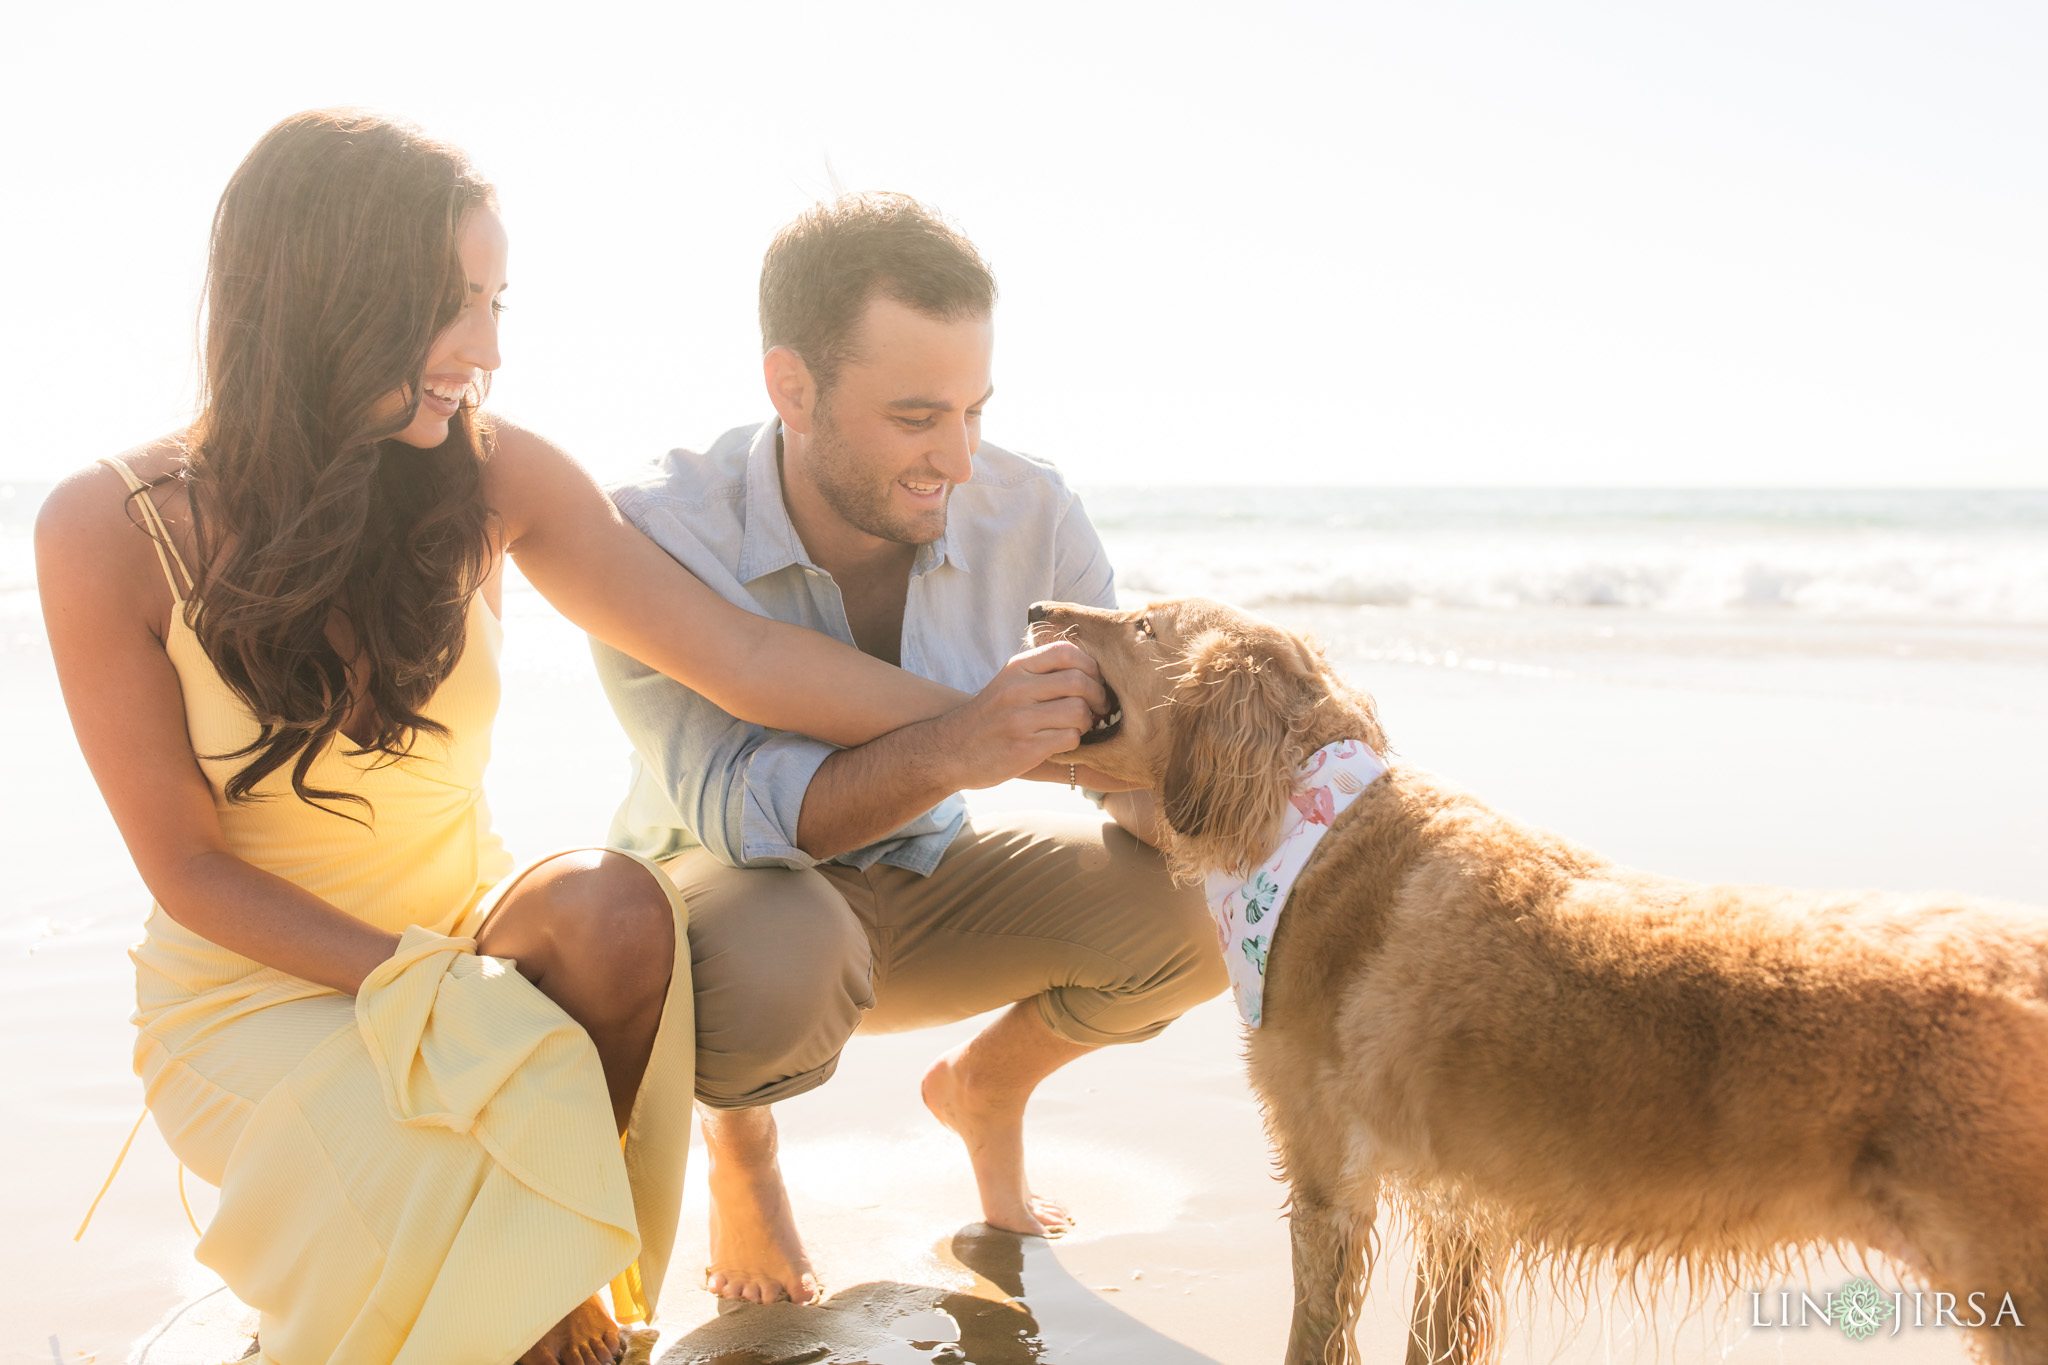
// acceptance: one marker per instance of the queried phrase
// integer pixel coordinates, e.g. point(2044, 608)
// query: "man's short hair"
point(822, 269)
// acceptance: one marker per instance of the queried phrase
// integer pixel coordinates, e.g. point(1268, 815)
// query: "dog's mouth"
point(1107, 726)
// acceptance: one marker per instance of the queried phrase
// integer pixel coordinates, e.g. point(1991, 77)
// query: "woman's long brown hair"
point(333, 268)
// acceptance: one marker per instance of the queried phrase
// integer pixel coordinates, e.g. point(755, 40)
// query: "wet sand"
point(1180, 1255)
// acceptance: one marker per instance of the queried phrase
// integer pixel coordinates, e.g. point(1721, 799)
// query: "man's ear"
point(1231, 761)
point(791, 388)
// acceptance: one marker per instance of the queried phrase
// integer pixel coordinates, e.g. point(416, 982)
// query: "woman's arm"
point(107, 609)
point(1137, 812)
point(605, 576)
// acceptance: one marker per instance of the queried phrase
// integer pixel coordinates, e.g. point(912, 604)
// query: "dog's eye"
point(1144, 627)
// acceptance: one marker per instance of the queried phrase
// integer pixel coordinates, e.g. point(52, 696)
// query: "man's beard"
point(845, 479)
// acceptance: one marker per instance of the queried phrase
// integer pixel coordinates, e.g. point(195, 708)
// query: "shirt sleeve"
point(738, 788)
point(1081, 568)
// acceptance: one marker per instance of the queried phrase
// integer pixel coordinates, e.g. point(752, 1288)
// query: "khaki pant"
point(1069, 912)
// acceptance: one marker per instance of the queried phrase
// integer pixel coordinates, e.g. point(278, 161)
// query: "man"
point(827, 884)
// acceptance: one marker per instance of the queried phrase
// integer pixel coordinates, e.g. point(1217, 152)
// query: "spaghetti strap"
point(160, 534)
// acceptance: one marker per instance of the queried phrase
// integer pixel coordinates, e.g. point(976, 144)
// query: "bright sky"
point(1439, 242)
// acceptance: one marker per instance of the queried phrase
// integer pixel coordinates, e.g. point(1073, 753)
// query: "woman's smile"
point(442, 395)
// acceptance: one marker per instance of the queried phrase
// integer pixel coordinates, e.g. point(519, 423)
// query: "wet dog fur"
point(1568, 1069)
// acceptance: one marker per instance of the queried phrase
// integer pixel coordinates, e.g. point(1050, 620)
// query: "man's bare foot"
point(756, 1253)
point(588, 1336)
point(990, 1120)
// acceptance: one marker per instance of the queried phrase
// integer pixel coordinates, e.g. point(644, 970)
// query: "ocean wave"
point(1946, 579)
point(1567, 511)
point(1949, 554)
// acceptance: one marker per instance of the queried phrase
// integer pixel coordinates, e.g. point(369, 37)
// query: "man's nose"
point(953, 455)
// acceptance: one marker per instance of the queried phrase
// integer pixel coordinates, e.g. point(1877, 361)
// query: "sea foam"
point(1946, 555)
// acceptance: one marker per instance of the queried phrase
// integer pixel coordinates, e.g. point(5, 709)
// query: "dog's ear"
point(1233, 737)
point(1363, 710)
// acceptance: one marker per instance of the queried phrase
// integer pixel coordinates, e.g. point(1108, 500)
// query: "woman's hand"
point(1137, 811)
point(1080, 775)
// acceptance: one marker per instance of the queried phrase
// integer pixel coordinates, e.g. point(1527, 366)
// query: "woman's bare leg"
point(595, 933)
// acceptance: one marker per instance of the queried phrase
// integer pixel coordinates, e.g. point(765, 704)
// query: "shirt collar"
point(770, 541)
point(944, 550)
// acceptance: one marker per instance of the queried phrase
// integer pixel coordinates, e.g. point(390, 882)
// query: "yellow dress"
point(427, 1171)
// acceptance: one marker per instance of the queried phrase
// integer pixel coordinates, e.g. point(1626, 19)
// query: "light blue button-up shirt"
point(1015, 534)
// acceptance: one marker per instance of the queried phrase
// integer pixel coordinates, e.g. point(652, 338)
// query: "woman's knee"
point(591, 911)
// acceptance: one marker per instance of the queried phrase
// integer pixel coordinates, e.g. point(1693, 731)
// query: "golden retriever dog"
point(1570, 1069)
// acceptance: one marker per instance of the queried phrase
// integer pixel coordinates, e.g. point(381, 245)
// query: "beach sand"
point(1766, 767)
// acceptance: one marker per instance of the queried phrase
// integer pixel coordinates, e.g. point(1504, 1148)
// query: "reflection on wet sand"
point(1023, 1309)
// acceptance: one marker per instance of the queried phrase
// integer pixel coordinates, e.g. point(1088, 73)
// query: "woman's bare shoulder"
point(518, 452)
point(89, 527)
point(526, 475)
point(97, 497)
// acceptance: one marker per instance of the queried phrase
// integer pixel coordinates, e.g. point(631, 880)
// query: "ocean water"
point(1932, 600)
point(1892, 555)
point(1938, 596)
point(1924, 596)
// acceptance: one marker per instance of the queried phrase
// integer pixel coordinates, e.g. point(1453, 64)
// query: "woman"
point(277, 636)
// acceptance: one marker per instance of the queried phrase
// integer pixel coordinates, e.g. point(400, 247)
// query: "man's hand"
point(1041, 704)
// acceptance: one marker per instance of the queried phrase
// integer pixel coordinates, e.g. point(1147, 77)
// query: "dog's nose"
point(1039, 611)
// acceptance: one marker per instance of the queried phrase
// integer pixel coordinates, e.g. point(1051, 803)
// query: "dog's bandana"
point(1247, 909)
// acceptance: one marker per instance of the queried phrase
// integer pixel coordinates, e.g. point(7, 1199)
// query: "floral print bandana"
point(1247, 909)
